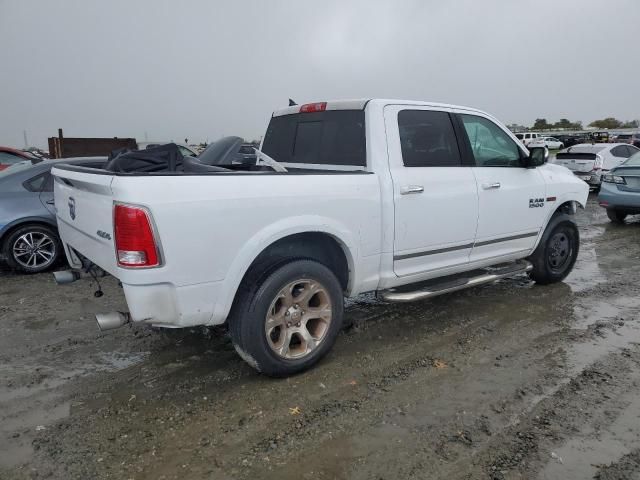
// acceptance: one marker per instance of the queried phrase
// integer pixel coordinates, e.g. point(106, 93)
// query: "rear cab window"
point(331, 137)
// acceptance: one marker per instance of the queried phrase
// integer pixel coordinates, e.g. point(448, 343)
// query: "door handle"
point(489, 186)
point(50, 202)
point(411, 189)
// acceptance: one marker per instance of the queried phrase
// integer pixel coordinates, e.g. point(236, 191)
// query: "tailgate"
point(84, 208)
point(578, 162)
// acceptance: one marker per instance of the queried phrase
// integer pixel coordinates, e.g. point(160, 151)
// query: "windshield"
point(633, 161)
point(16, 167)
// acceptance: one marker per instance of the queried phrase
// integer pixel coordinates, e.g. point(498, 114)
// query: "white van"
point(527, 138)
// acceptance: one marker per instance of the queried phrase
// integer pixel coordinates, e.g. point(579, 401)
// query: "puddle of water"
point(114, 361)
point(581, 354)
point(23, 408)
point(586, 273)
point(581, 456)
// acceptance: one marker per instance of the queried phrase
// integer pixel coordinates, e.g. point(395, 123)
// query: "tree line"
point(542, 124)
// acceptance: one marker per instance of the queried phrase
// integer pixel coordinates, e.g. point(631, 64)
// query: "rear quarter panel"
point(211, 228)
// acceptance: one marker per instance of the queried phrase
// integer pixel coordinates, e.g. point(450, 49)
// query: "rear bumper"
point(166, 305)
point(612, 197)
point(592, 179)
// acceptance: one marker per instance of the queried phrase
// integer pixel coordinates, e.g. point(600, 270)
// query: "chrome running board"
point(449, 285)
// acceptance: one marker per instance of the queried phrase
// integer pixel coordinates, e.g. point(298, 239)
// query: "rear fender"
point(271, 234)
point(4, 229)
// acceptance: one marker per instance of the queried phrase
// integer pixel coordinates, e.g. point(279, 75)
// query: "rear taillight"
point(597, 165)
point(136, 244)
point(313, 107)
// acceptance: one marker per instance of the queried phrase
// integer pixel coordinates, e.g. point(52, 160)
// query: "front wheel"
point(557, 252)
point(616, 216)
point(290, 320)
point(32, 248)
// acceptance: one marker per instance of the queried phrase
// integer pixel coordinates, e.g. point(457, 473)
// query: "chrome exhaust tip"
point(66, 276)
point(112, 320)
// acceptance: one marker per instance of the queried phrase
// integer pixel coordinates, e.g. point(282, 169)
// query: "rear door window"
point(333, 137)
point(427, 139)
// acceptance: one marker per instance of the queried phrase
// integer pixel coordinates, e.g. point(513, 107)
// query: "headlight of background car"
point(613, 179)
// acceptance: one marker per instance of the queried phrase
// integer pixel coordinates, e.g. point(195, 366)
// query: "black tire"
point(616, 216)
point(248, 320)
point(557, 252)
point(15, 243)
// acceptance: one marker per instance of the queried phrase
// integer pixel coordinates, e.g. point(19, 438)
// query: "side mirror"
point(538, 156)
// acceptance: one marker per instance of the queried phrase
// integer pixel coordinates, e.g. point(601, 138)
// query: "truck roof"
point(361, 103)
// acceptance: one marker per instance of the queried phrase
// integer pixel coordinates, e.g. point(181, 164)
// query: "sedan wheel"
point(32, 249)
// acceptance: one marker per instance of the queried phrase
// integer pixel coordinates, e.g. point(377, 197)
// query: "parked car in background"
point(599, 137)
point(10, 156)
point(571, 139)
point(350, 196)
point(29, 239)
point(184, 149)
point(551, 143)
point(620, 191)
point(248, 153)
point(621, 138)
point(527, 138)
point(589, 161)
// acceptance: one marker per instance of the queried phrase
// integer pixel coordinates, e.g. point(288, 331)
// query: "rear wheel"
point(32, 248)
point(616, 216)
point(557, 252)
point(290, 320)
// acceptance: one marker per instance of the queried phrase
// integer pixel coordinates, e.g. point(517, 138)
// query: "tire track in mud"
point(523, 449)
point(346, 408)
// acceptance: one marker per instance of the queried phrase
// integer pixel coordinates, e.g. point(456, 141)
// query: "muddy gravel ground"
point(506, 381)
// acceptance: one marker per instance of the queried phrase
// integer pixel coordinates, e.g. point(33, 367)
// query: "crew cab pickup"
point(407, 199)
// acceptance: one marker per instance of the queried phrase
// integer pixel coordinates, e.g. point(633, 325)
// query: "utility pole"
point(24, 134)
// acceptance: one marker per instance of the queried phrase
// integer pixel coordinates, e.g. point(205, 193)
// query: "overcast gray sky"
point(202, 69)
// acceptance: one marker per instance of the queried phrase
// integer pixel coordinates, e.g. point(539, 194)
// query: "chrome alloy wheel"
point(298, 319)
point(34, 250)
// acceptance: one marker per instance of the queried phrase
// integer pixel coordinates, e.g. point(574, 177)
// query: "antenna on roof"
point(292, 103)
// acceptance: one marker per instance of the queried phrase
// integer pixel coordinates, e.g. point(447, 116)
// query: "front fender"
point(277, 231)
point(579, 198)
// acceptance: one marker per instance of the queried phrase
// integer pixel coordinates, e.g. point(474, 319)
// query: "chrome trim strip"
point(432, 252)
point(463, 247)
point(506, 239)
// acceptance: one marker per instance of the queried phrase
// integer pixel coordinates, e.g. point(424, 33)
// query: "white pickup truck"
point(407, 199)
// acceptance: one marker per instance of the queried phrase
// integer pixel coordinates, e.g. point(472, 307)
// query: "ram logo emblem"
point(536, 202)
point(72, 208)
